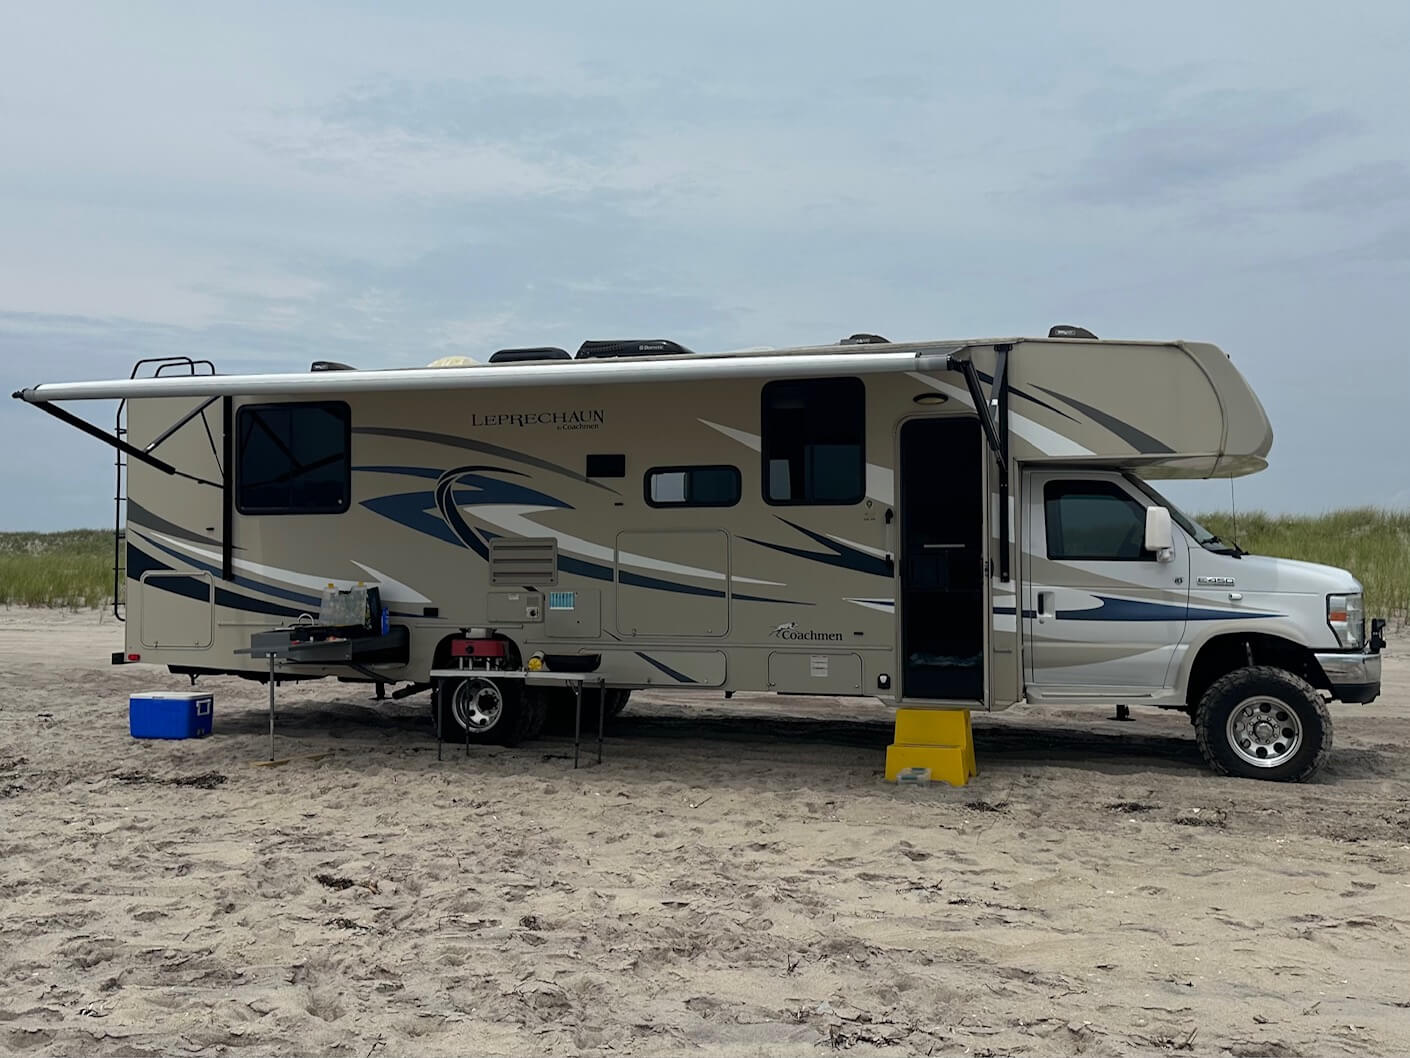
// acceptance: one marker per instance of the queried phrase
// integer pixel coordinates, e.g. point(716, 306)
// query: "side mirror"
point(1160, 537)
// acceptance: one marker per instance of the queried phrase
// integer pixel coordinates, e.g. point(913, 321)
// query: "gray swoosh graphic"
point(480, 446)
point(1137, 439)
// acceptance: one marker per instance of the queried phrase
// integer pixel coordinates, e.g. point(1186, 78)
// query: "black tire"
point(561, 705)
point(616, 702)
point(466, 697)
point(535, 713)
point(1264, 723)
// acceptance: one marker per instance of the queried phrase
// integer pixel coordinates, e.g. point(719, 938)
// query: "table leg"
point(436, 713)
point(271, 706)
point(577, 719)
point(601, 715)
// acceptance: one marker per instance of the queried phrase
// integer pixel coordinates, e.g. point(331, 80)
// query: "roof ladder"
point(120, 451)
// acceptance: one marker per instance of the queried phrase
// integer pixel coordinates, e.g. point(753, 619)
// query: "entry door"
point(1102, 614)
point(942, 589)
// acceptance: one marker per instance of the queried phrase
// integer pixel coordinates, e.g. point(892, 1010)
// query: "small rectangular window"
point(606, 466)
point(692, 486)
point(814, 434)
point(293, 458)
point(1094, 521)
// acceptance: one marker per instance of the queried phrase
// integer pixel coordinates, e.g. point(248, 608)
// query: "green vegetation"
point(1373, 544)
point(72, 568)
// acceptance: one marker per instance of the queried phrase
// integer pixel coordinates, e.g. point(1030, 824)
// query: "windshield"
point(1202, 536)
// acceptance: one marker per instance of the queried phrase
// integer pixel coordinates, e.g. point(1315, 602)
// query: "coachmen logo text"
point(791, 631)
point(584, 419)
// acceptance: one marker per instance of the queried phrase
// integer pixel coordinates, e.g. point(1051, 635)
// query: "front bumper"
point(1355, 678)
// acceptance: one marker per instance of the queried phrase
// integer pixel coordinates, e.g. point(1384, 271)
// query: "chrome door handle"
point(1236, 596)
point(1045, 605)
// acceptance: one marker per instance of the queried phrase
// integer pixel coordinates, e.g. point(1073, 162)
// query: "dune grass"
point(74, 568)
point(69, 569)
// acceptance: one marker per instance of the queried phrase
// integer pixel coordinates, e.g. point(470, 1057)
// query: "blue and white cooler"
point(170, 714)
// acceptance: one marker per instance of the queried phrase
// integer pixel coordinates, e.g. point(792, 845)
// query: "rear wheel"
point(1264, 723)
point(616, 702)
point(475, 708)
point(561, 706)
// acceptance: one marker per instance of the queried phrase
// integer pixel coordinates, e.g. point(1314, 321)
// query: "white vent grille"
point(523, 561)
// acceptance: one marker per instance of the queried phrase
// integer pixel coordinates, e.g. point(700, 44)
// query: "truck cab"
point(1128, 600)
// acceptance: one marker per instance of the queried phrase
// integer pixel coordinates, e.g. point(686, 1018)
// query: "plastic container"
point(170, 714)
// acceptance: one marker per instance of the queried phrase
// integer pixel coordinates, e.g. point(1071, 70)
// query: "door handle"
point(1045, 605)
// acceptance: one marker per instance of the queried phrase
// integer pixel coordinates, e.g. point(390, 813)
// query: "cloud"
point(1202, 145)
point(1368, 188)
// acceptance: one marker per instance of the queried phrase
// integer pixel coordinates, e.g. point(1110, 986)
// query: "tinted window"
point(692, 486)
point(293, 459)
point(1094, 520)
point(813, 441)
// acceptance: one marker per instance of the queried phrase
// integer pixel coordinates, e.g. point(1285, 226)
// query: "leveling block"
point(934, 744)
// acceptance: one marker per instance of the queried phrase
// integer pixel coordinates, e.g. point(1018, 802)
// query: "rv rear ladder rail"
point(163, 365)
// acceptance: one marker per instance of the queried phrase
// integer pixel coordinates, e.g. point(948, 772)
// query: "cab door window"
point(1094, 521)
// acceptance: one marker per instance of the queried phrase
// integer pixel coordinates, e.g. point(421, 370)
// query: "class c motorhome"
point(956, 524)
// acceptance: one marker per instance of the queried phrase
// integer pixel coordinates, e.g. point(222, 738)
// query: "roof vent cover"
point(630, 347)
point(865, 339)
point(519, 356)
point(1068, 330)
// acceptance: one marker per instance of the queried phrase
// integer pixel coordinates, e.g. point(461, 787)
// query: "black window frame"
point(688, 502)
point(851, 381)
point(340, 408)
point(1088, 485)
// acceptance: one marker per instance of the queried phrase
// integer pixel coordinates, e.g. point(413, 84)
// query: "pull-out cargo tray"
point(342, 650)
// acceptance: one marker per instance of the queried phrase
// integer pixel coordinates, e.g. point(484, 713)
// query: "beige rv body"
point(752, 596)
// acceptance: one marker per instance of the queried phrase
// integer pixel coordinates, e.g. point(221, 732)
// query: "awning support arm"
point(996, 433)
point(179, 423)
point(122, 446)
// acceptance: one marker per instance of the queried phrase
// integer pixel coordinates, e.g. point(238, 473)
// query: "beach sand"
point(736, 878)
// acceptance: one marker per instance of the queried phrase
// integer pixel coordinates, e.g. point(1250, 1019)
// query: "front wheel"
point(1264, 723)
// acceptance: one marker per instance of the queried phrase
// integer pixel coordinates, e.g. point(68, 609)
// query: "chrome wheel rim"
point(1264, 731)
point(476, 705)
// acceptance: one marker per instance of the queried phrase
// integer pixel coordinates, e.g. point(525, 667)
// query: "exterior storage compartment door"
point(675, 582)
point(176, 611)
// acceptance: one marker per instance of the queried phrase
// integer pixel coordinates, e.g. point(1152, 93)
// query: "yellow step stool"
point(940, 740)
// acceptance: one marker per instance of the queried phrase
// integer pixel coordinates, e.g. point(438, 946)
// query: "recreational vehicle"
point(953, 524)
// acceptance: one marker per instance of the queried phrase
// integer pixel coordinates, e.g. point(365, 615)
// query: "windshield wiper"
point(1218, 546)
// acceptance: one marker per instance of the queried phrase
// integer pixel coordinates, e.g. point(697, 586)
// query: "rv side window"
point(293, 458)
point(1094, 520)
point(813, 441)
point(692, 486)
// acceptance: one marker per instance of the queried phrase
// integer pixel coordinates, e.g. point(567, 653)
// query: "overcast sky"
point(269, 184)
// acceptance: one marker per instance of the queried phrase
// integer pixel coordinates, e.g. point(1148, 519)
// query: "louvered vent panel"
point(523, 561)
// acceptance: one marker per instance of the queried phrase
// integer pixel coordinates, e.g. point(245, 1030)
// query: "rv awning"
point(807, 362)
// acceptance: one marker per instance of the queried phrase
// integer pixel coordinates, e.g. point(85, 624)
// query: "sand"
point(736, 878)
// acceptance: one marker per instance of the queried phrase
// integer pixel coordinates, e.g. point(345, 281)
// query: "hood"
point(1263, 573)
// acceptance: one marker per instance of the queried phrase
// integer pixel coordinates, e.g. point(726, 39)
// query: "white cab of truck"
point(1129, 600)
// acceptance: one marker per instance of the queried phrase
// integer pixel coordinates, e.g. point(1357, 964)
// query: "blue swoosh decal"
point(677, 676)
point(238, 579)
point(139, 562)
point(1112, 609)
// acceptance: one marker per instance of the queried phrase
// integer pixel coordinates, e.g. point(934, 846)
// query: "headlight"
point(1346, 614)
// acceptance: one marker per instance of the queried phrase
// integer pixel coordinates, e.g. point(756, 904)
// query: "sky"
point(269, 184)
